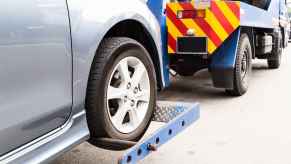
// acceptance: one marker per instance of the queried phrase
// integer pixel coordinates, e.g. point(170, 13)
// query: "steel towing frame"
point(177, 116)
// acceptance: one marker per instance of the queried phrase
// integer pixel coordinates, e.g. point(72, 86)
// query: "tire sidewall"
point(275, 60)
point(242, 85)
point(279, 50)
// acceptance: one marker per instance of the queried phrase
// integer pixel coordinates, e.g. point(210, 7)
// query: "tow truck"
point(220, 35)
point(224, 36)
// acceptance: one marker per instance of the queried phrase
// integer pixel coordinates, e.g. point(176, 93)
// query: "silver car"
point(75, 70)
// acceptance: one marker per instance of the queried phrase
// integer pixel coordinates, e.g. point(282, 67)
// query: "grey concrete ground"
point(252, 129)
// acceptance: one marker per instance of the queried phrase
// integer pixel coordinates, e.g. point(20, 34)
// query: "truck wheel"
point(275, 61)
point(121, 90)
point(274, 64)
point(242, 68)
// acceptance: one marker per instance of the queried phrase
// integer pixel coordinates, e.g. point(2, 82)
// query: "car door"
point(35, 70)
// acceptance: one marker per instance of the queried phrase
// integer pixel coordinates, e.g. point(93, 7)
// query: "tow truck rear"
point(224, 36)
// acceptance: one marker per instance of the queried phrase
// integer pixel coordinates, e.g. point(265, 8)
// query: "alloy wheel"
point(128, 94)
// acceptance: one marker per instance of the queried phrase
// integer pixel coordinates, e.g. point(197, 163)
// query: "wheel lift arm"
point(176, 115)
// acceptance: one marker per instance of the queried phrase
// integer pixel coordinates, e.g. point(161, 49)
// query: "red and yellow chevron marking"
point(221, 19)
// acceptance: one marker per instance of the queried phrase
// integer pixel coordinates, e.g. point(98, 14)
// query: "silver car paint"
point(51, 145)
point(90, 20)
point(35, 70)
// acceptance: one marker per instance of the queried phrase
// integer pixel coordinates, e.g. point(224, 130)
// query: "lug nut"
point(132, 103)
point(135, 90)
point(128, 86)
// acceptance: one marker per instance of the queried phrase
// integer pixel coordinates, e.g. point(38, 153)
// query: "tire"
point(108, 73)
point(242, 68)
point(275, 61)
point(275, 64)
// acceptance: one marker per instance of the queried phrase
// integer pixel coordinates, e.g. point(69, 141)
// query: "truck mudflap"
point(223, 62)
point(177, 116)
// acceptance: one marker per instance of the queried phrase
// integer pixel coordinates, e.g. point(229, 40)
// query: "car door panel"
point(35, 70)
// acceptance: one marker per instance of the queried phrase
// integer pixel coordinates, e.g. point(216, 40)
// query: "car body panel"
point(35, 70)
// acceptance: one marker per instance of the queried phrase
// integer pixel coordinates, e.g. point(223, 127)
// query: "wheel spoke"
point(120, 115)
point(115, 93)
point(133, 117)
point(138, 74)
point(123, 69)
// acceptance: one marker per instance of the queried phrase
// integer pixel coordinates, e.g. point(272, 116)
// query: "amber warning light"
point(191, 14)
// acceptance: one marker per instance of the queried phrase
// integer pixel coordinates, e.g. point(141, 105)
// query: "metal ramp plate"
point(176, 115)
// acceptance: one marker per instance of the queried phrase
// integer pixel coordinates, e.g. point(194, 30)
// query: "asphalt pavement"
point(252, 129)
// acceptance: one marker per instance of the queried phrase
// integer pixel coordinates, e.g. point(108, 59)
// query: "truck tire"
point(242, 68)
point(121, 92)
point(274, 61)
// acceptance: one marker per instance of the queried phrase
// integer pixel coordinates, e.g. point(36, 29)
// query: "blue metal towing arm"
point(176, 115)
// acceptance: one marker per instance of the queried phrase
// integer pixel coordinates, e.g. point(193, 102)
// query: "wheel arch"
point(250, 32)
point(135, 30)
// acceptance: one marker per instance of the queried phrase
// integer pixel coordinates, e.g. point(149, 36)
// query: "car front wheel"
point(121, 90)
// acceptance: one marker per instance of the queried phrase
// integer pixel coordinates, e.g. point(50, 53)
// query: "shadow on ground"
point(200, 88)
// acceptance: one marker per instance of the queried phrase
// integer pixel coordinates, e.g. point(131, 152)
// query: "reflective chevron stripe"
point(222, 18)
